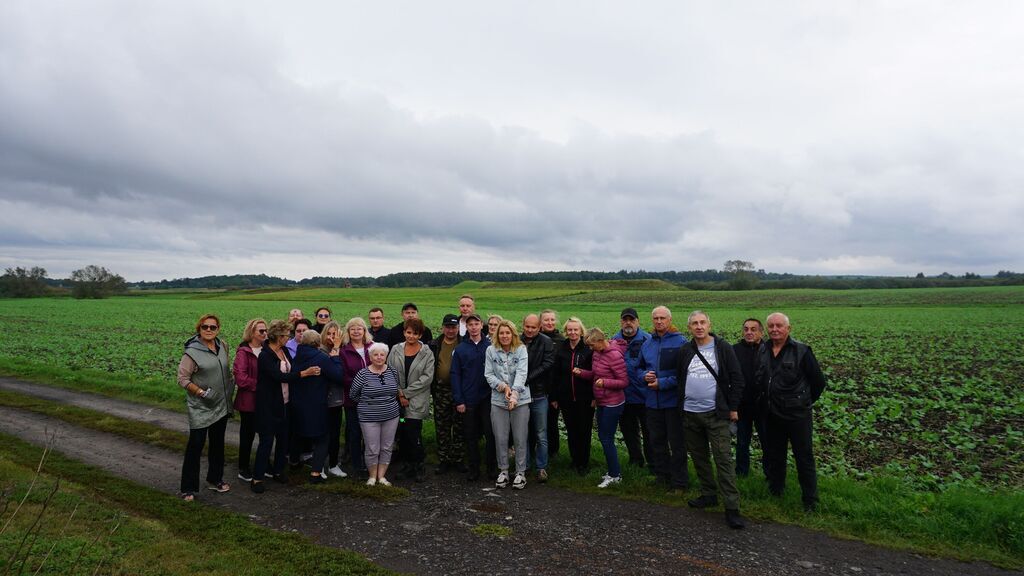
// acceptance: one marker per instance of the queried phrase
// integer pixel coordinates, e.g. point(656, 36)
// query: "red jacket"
point(610, 366)
point(245, 379)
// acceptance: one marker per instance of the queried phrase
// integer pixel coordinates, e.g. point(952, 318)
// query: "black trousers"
point(579, 431)
point(668, 448)
point(554, 438)
point(194, 453)
point(334, 419)
point(412, 441)
point(750, 419)
point(246, 436)
point(477, 422)
point(273, 435)
point(633, 425)
point(778, 433)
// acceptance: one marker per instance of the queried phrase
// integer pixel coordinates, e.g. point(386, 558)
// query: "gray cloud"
point(180, 139)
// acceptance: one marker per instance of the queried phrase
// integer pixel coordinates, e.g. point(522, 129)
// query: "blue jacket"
point(469, 386)
point(661, 354)
point(308, 396)
point(636, 392)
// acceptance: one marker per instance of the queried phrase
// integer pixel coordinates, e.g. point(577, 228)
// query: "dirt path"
point(554, 531)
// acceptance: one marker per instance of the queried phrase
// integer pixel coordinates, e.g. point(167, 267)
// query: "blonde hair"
point(250, 329)
point(594, 335)
point(583, 329)
point(516, 342)
point(367, 336)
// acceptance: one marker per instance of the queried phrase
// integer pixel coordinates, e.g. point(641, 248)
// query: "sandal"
point(219, 487)
point(187, 496)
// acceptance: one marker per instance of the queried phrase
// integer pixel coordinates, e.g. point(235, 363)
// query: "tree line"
point(89, 282)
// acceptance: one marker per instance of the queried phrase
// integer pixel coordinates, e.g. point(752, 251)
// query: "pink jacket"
point(610, 366)
point(245, 379)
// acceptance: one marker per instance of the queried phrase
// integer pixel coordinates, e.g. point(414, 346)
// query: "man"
point(711, 385)
point(294, 315)
point(323, 316)
point(377, 329)
point(659, 357)
point(298, 329)
point(409, 311)
point(472, 397)
point(751, 413)
point(633, 422)
point(540, 353)
point(467, 306)
point(447, 422)
point(792, 381)
point(549, 328)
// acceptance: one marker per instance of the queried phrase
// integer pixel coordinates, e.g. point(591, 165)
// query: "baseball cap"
point(629, 313)
point(450, 320)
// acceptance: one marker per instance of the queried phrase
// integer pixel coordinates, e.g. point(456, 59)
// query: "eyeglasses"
point(323, 315)
point(263, 331)
point(210, 327)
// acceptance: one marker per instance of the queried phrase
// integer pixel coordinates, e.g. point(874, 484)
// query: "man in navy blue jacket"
point(472, 397)
point(659, 358)
point(633, 422)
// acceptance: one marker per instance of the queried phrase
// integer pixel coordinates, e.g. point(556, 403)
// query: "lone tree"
point(95, 282)
point(23, 282)
point(742, 273)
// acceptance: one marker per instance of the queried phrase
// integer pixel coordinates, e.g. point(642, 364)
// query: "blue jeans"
point(538, 442)
point(607, 422)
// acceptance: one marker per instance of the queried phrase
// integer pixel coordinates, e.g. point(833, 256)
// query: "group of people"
point(300, 383)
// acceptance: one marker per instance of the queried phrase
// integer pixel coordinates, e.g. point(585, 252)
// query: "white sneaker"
point(609, 480)
point(371, 482)
point(520, 482)
point(337, 471)
point(384, 482)
point(502, 481)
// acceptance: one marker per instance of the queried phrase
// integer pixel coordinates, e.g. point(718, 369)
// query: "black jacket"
point(383, 335)
point(568, 387)
point(541, 354)
point(729, 390)
point(792, 381)
point(748, 357)
point(270, 408)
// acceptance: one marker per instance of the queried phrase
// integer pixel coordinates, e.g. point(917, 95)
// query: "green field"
point(918, 437)
point(923, 384)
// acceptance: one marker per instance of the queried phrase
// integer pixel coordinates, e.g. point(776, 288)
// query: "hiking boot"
point(734, 520)
point(703, 502)
point(520, 482)
point(502, 481)
point(609, 480)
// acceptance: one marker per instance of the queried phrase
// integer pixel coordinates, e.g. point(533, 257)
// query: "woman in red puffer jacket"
point(610, 382)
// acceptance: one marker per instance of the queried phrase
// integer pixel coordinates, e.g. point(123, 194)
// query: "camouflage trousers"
point(447, 425)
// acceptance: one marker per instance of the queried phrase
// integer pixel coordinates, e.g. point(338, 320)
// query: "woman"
point(204, 372)
point(273, 373)
point(355, 355)
point(414, 364)
point(375, 391)
point(323, 316)
point(574, 393)
point(492, 325)
point(330, 344)
point(309, 399)
point(246, 356)
point(505, 367)
point(610, 381)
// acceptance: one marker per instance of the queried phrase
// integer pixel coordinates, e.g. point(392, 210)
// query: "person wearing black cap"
point(633, 423)
point(409, 311)
point(471, 395)
point(447, 422)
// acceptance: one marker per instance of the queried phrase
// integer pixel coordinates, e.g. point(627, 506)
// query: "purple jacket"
point(245, 379)
point(352, 362)
point(610, 366)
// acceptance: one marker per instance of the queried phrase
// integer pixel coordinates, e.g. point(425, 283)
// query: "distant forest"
point(694, 279)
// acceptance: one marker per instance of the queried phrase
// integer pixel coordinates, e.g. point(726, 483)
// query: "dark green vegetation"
point(122, 528)
point(918, 437)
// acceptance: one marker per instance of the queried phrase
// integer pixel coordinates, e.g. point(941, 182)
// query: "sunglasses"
point(323, 315)
point(263, 331)
point(210, 327)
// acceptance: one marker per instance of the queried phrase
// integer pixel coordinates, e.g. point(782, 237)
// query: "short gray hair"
point(696, 313)
point(377, 346)
point(784, 317)
point(665, 308)
point(310, 338)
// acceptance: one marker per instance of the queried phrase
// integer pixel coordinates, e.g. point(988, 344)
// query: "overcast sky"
point(186, 138)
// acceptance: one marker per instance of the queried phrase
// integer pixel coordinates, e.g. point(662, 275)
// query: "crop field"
point(926, 385)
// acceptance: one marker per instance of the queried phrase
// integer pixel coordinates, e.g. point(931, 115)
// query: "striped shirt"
point(376, 395)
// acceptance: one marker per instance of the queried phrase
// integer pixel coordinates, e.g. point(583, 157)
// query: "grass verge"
point(120, 527)
point(491, 530)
